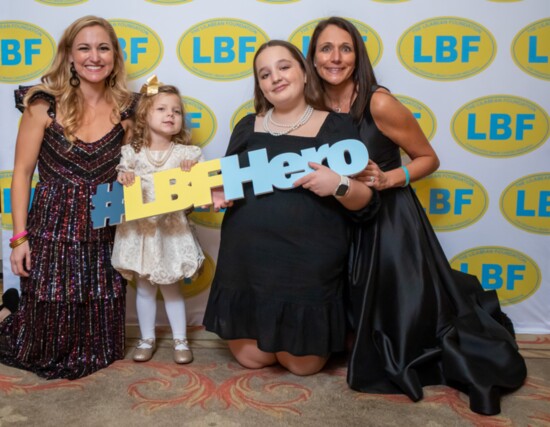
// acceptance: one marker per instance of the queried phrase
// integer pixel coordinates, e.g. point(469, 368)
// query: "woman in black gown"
point(416, 321)
point(277, 291)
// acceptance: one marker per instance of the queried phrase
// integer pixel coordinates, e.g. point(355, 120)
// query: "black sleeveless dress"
point(417, 321)
point(282, 261)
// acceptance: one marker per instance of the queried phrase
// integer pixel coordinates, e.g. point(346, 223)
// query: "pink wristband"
point(18, 235)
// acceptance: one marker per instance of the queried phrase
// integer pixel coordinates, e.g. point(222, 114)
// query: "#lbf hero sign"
point(177, 190)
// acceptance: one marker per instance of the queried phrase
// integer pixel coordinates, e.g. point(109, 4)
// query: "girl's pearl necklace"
point(287, 127)
point(164, 158)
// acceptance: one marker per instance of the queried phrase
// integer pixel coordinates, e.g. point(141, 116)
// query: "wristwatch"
point(343, 187)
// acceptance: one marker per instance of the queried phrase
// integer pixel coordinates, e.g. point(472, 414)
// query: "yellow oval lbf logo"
point(446, 48)
point(526, 203)
point(500, 126)
point(220, 49)
point(451, 200)
point(514, 275)
point(200, 120)
point(26, 51)
point(531, 49)
point(141, 46)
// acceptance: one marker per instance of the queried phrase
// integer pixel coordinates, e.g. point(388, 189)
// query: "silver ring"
point(372, 179)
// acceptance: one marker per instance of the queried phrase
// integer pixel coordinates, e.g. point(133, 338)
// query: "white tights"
point(146, 305)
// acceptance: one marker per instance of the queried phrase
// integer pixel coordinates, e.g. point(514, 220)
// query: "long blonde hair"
point(141, 135)
point(69, 99)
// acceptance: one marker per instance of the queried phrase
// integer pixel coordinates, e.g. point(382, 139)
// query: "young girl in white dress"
point(158, 252)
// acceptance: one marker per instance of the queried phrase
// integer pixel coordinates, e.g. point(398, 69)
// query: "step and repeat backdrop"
point(475, 73)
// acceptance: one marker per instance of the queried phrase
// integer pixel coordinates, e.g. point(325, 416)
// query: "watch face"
point(341, 190)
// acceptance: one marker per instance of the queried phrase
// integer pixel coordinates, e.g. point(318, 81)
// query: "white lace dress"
point(162, 249)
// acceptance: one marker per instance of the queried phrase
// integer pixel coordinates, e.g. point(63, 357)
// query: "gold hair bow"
point(151, 87)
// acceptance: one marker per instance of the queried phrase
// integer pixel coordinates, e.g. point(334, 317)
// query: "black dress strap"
point(368, 114)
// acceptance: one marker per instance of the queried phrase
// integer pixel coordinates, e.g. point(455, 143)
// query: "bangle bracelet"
point(407, 176)
point(18, 235)
point(18, 242)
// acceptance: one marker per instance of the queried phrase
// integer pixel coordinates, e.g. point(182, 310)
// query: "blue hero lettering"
point(177, 190)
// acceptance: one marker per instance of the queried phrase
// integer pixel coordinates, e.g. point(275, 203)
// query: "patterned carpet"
point(215, 391)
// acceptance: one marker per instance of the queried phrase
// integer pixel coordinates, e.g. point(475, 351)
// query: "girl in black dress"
point(277, 291)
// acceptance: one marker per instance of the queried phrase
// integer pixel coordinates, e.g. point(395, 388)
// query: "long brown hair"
point(312, 88)
point(363, 73)
point(141, 135)
point(69, 99)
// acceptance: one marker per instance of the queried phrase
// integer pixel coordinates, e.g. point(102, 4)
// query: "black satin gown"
point(417, 321)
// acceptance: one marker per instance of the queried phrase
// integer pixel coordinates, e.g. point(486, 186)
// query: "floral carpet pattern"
point(216, 391)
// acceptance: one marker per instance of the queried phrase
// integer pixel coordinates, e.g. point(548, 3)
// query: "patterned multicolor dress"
point(71, 317)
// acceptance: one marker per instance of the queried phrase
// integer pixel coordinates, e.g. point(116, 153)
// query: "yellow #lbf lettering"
point(174, 190)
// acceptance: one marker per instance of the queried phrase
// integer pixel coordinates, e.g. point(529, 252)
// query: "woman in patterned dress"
point(70, 322)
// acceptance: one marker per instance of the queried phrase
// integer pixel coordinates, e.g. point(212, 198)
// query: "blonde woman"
point(70, 322)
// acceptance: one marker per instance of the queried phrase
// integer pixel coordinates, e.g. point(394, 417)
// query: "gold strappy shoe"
point(144, 350)
point(182, 352)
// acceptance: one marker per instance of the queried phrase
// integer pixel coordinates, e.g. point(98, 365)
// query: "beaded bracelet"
point(18, 235)
point(407, 176)
point(18, 241)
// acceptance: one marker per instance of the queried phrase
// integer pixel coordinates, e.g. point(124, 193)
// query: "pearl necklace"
point(164, 158)
point(287, 127)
